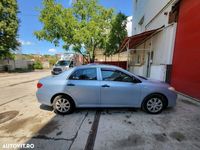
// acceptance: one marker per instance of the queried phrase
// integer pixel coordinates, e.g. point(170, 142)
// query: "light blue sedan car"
point(103, 86)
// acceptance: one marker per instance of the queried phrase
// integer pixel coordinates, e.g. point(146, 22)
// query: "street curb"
point(187, 96)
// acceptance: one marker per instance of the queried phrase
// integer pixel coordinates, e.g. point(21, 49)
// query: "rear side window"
point(115, 75)
point(84, 74)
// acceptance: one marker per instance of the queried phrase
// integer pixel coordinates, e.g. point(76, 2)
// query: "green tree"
point(85, 24)
point(9, 23)
point(37, 65)
point(52, 61)
point(117, 34)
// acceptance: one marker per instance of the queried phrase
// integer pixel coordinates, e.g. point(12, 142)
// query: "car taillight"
point(39, 85)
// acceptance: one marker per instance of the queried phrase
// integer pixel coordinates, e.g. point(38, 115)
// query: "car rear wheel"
point(63, 105)
point(154, 104)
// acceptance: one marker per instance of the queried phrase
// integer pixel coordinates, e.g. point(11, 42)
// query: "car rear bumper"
point(43, 98)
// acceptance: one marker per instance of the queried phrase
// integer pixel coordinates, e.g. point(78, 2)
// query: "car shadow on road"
point(122, 109)
point(57, 132)
point(108, 110)
point(61, 131)
point(45, 107)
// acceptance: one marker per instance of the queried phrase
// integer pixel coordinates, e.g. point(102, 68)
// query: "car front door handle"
point(105, 86)
point(70, 84)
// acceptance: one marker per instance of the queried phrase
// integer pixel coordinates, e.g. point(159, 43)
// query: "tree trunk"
point(92, 59)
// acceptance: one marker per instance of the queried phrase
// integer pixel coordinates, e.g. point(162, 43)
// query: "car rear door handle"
point(70, 84)
point(105, 86)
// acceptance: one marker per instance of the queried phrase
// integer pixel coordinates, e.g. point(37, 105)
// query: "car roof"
point(93, 65)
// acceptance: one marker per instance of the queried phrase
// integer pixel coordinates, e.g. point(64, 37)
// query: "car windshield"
point(63, 63)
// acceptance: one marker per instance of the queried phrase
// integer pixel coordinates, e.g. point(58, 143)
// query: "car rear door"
point(84, 87)
point(118, 89)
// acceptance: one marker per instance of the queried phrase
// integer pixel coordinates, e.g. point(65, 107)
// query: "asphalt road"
point(24, 120)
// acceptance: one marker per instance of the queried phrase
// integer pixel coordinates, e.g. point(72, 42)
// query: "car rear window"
point(84, 74)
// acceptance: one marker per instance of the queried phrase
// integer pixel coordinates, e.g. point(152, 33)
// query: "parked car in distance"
point(103, 86)
point(61, 65)
point(67, 61)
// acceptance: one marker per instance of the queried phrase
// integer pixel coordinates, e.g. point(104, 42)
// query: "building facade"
point(165, 43)
point(185, 75)
point(151, 46)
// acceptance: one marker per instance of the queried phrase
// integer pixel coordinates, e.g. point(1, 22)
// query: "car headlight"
point(66, 68)
point(171, 88)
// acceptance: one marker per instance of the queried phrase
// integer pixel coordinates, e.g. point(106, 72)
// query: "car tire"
point(154, 104)
point(63, 105)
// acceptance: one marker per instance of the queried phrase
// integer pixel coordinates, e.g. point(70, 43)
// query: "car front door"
point(118, 89)
point(84, 87)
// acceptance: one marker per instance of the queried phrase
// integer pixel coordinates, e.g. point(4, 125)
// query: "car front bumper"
point(56, 72)
point(172, 98)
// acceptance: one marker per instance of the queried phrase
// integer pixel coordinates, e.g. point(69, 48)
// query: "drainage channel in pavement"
point(92, 136)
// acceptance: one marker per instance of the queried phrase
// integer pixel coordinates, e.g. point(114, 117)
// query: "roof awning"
point(133, 41)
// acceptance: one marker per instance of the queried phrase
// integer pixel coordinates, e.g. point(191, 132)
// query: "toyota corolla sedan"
point(103, 86)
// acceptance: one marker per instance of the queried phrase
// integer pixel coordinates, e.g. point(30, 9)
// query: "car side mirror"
point(71, 65)
point(135, 80)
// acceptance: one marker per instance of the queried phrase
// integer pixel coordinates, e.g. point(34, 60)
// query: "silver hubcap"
point(154, 105)
point(62, 105)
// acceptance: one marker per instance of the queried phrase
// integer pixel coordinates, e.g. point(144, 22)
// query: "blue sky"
point(29, 23)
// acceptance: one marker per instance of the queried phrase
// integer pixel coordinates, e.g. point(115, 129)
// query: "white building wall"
point(153, 12)
point(129, 25)
point(155, 9)
point(149, 15)
point(138, 13)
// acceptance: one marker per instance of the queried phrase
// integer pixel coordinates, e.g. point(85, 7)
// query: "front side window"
point(115, 75)
point(84, 74)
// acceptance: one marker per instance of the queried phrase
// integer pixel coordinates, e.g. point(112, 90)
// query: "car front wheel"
point(63, 105)
point(154, 104)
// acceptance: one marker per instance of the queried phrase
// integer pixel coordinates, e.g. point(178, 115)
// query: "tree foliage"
point(37, 65)
point(52, 61)
point(117, 34)
point(86, 24)
point(9, 23)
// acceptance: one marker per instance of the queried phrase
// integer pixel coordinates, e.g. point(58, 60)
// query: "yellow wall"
point(117, 57)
